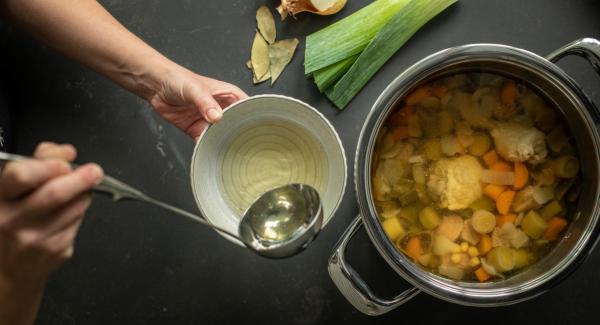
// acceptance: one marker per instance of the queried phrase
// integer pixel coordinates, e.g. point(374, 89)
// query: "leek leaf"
point(348, 36)
point(387, 41)
point(326, 77)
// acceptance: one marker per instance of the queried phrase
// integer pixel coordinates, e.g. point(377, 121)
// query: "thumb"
point(206, 104)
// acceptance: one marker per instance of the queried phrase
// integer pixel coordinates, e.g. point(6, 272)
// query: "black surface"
point(137, 265)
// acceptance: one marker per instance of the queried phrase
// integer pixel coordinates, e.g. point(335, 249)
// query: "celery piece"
point(534, 225)
point(411, 212)
point(501, 258)
point(551, 209)
point(348, 36)
point(327, 76)
point(393, 228)
point(388, 40)
point(565, 166)
point(429, 218)
point(483, 203)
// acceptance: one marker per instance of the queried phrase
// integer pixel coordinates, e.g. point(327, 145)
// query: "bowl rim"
point(307, 106)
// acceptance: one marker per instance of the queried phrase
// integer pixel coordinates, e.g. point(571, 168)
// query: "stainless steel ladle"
point(280, 223)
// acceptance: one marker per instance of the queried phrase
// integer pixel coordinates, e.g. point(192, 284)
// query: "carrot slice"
point(485, 244)
point(555, 226)
point(501, 166)
point(401, 133)
point(439, 91)
point(504, 201)
point(521, 175)
point(493, 191)
point(505, 218)
point(482, 275)
point(490, 157)
point(414, 249)
point(418, 95)
point(508, 93)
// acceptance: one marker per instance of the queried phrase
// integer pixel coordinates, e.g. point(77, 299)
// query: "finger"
point(60, 245)
point(39, 228)
point(52, 150)
point(49, 225)
point(231, 89)
point(45, 145)
point(208, 106)
point(22, 177)
point(223, 94)
point(226, 101)
point(68, 253)
point(196, 129)
point(61, 190)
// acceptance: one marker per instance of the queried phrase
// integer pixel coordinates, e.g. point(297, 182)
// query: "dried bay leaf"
point(266, 24)
point(260, 56)
point(249, 64)
point(266, 77)
point(280, 54)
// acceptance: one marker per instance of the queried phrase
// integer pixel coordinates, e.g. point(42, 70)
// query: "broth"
point(273, 154)
point(474, 175)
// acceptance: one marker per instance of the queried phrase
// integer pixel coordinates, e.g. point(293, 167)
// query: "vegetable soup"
point(474, 176)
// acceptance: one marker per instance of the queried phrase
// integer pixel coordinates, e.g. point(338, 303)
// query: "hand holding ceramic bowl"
point(261, 143)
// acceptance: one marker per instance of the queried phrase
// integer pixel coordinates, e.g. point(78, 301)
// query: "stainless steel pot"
point(579, 113)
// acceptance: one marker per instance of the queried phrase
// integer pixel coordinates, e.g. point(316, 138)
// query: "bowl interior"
point(261, 143)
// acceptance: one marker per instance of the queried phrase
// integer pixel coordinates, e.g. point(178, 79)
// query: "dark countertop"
point(137, 265)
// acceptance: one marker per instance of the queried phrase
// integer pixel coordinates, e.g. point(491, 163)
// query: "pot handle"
point(589, 48)
point(352, 286)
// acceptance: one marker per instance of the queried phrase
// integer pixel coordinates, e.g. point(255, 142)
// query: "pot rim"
point(424, 280)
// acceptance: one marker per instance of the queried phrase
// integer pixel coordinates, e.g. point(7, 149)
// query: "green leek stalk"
point(326, 77)
point(348, 36)
point(388, 40)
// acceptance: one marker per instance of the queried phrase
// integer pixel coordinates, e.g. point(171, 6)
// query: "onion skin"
point(293, 7)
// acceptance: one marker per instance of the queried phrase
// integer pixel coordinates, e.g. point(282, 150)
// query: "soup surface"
point(474, 176)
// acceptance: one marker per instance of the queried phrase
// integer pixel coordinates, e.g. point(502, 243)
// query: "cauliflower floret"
point(509, 235)
point(450, 227)
point(473, 113)
point(469, 234)
point(455, 182)
point(524, 200)
point(515, 142)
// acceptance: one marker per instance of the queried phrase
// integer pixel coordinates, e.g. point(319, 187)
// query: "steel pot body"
point(578, 112)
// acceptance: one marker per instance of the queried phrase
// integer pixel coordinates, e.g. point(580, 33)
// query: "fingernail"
point(214, 115)
point(96, 172)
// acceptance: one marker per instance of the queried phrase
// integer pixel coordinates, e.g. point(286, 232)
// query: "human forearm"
point(19, 304)
point(85, 31)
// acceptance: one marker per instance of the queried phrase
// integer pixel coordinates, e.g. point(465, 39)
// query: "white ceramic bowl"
point(264, 127)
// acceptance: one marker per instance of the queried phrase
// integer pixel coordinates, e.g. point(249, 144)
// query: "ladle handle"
point(186, 214)
point(111, 186)
point(353, 287)
point(121, 191)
